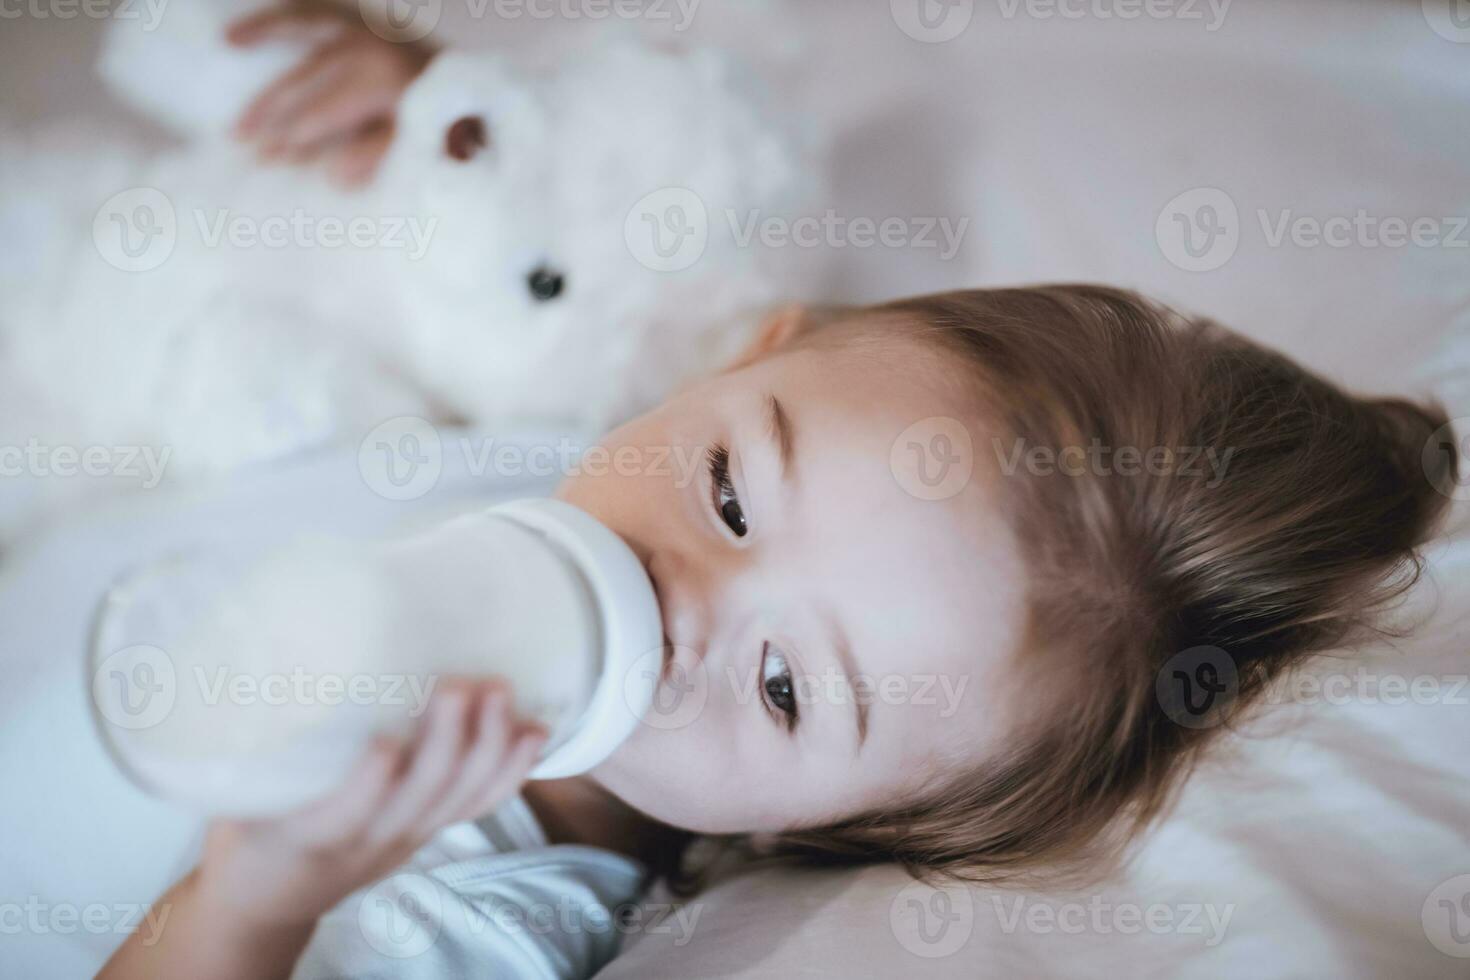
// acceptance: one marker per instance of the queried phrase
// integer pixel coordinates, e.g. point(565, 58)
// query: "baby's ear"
point(778, 327)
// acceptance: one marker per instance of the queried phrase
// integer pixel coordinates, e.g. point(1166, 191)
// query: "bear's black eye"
point(545, 283)
point(466, 137)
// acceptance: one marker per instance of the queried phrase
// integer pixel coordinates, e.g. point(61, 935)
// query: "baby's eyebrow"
point(783, 432)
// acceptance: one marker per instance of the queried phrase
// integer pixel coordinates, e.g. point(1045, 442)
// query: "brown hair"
point(1243, 570)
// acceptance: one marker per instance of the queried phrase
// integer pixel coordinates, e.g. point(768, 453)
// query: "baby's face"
point(835, 641)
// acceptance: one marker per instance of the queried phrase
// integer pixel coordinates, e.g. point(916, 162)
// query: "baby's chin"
point(659, 790)
point(627, 771)
point(637, 777)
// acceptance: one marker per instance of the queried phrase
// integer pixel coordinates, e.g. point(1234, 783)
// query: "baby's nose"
point(680, 600)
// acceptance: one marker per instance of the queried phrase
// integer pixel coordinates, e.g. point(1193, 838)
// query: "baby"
point(806, 550)
point(1041, 497)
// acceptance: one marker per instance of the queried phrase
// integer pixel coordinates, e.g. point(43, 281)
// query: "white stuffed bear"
point(547, 241)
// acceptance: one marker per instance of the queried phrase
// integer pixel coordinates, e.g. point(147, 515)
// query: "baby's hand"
point(470, 756)
point(338, 103)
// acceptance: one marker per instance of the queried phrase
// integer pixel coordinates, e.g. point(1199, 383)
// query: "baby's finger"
point(494, 729)
point(277, 105)
point(346, 811)
point(315, 26)
point(356, 160)
point(340, 107)
point(524, 752)
point(434, 762)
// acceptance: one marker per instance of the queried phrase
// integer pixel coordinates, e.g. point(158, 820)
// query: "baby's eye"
point(722, 492)
point(776, 684)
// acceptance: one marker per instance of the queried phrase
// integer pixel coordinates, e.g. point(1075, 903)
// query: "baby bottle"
point(250, 685)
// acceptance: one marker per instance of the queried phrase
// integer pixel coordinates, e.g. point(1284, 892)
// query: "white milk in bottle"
point(248, 686)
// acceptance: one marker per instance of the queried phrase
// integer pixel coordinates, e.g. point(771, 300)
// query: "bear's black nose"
point(545, 283)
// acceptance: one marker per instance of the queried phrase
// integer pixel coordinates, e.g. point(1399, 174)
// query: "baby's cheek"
point(926, 748)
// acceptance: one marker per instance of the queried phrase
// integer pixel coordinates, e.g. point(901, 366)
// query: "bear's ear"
point(466, 137)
